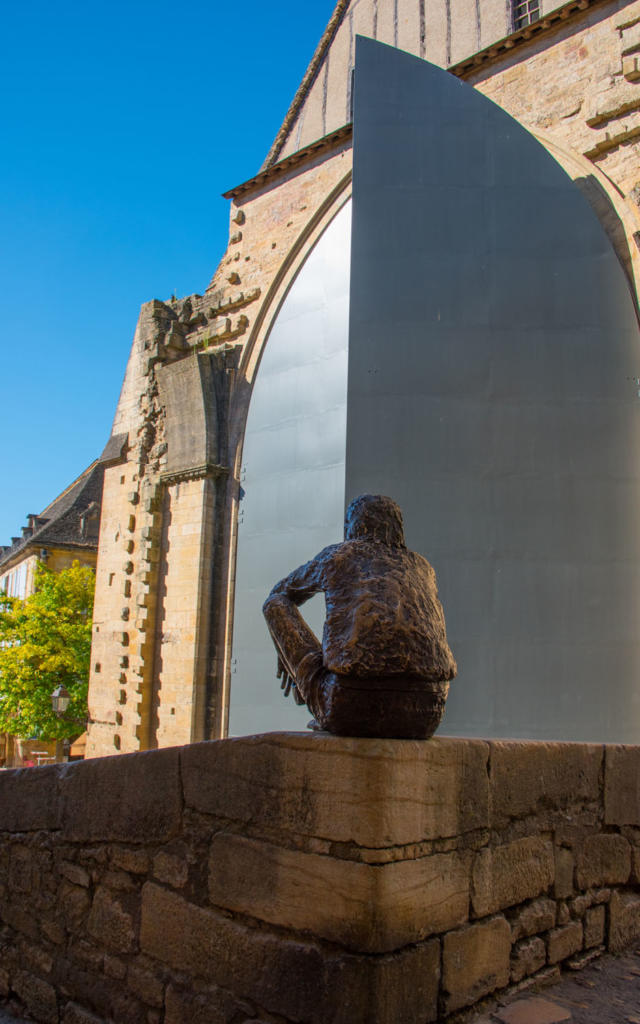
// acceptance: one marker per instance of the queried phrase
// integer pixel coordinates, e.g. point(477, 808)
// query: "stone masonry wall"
point(309, 878)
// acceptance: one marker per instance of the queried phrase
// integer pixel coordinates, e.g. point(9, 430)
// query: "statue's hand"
point(288, 683)
point(286, 680)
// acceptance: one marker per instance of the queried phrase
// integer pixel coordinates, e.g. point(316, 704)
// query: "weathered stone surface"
point(29, 800)
point(22, 869)
point(371, 908)
point(527, 957)
point(562, 914)
point(259, 965)
point(475, 962)
point(565, 865)
point(565, 941)
point(538, 916)
point(532, 1011)
point(580, 904)
point(110, 923)
point(134, 861)
point(622, 785)
point(109, 1000)
point(38, 996)
point(74, 902)
point(594, 920)
point(541, 778)
point(624, 920)
point(114, 967)
point(373, 792)
point(170, 869)
point(74, 873)
point(603, 860)
point(509, 874)
point(146, 985)
point(74, 1014)
point(53, 931)
point(128, 798)
point(214, 1007)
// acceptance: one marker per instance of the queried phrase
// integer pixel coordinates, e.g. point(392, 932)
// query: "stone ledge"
point(374, 793)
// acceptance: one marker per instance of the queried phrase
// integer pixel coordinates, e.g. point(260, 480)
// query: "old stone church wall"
point(311, 878)
point(164, 597)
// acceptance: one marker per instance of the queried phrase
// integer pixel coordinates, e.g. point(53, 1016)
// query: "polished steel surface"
point(293, 471)
point(493, 357)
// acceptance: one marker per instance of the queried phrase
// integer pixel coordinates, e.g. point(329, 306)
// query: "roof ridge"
point(307, 81)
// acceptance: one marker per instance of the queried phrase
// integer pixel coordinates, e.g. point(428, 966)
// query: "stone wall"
point(308, 878)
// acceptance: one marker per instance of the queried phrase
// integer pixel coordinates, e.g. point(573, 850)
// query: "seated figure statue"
point(384, 665)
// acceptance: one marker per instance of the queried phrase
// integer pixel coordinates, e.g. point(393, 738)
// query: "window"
point(524, 12)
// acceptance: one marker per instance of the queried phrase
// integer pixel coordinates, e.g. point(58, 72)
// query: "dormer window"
point(525, 12)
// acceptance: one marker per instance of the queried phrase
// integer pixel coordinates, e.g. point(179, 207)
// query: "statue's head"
point(374, 517)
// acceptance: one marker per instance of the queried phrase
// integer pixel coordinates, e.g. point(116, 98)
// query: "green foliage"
point(45, 641)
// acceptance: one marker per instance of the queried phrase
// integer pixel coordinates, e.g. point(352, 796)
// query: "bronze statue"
point(384, 665)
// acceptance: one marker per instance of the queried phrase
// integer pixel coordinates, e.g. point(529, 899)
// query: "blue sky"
point(122, 124)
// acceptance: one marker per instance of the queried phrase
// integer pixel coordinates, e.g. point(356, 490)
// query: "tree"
point(45, 642)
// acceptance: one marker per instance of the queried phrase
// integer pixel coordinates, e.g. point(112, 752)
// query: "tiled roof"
point(64, 521)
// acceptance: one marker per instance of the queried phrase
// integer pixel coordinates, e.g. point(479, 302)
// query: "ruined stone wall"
point(161, 620)
point(310, 878)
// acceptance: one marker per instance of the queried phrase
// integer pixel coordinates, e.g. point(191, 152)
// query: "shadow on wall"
point(600, 202)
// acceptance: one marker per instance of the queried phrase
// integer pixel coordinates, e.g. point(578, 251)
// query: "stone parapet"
point(311, 878)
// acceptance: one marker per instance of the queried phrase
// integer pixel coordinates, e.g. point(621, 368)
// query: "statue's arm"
point(301, 584)
point(294, 641)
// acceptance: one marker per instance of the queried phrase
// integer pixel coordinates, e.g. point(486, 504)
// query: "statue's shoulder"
point(421, 563)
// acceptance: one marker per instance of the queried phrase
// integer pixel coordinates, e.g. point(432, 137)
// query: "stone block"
point(624, 920)
point(29, 800)
point(594, 921)
point(38, 996)
point(212, 1007)
point(527, 957)
point(22, 869)
point(564, 941)
point(475, 962)
point(538, 916)
point(368, 908)
point(74, 873)
point(534, 1010)
point(114, 967)
point(564, 869)
point(375, 793)
point(562, 914)
point(74, 1014)
point(297, 979)
point(622, 785)
point(541, 778)
point(603, 860)
point(74, 903)
point(110, 923)
point(171, 869)
point(134, 861)
point(509, 874)
point(146, 985)
point(580, 904)
point(129, 797)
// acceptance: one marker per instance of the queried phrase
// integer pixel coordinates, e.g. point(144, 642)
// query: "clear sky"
point(122, 123)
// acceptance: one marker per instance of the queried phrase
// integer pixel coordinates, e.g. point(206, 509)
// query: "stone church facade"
point(163, 620)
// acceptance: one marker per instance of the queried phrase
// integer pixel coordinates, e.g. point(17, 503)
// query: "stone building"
point(162, 658)
point(66, 531)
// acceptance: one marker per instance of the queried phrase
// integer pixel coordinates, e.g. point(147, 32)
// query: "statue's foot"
point(314, 725)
